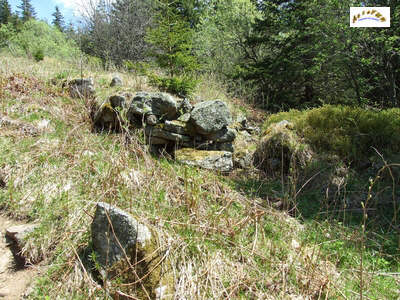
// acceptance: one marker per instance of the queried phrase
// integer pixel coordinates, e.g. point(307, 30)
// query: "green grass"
point(226, 241)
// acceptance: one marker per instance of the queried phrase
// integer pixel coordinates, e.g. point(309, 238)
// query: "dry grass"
point(223, 243)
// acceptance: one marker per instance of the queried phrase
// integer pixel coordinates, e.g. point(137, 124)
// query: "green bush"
point(140, 68)
point(351, 133)
point(6, 32)
point(38, 55)
point(35, 35)
point(181, 86)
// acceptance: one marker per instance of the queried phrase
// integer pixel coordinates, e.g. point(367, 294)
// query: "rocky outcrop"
point(81, 88)
point(131, 251)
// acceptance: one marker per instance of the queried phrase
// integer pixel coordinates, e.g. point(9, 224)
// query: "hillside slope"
point(223, 236)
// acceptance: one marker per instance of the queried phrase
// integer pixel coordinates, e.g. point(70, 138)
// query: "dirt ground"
point(14, 276)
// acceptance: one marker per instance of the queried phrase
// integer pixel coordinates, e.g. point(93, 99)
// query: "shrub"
point(36, 35)
point(38, 55)
point(351, 133)
point(181, 86)
point(140, 68)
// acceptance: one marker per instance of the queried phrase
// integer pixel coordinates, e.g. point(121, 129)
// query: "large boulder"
point(81, 88)
point(212, 160)
point(129, 250)
point(209, 117)
point(161, 105)
point(282, 149)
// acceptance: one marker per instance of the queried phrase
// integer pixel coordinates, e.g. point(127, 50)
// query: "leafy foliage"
point(38, 55)
point(39, 36)
point(303, 55)
point(5, 12)
point(182, 86)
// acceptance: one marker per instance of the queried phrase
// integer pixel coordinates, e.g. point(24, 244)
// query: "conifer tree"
point(173, 40)
point(27, 10)
point(58, 20)
point(5, 12)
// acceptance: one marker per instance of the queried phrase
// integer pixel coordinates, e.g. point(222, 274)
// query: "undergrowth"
point(224, 237)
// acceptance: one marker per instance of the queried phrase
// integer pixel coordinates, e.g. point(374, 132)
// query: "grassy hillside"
point(224, 236)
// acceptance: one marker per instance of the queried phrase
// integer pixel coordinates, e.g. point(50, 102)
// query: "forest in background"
point(277, 54)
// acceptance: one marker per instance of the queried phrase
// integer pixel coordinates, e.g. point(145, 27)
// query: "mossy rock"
point(147, 275)
point(130, 255)
point(211, 160)
point(281, 149)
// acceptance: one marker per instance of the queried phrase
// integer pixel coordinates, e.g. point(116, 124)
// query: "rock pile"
point(202, 135)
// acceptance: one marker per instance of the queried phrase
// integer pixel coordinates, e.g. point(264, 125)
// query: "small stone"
point(19, 232)
point(81, 88)
point(114, 233)
point(223, 136)
point(176, 127)
point(116, 81)
point(151, 120)
point(139, 108)
point(117, 101)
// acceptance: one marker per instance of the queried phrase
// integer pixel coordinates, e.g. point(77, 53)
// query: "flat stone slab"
point(176, 127)
point(171, 136)
point(212, 160)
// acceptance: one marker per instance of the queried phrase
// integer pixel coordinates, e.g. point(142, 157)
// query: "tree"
point(58, 20)
point(5, 12)
point(27, 10)
point(129, 21)
point(222, 32)
point(115, 30)
point(172, 39)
